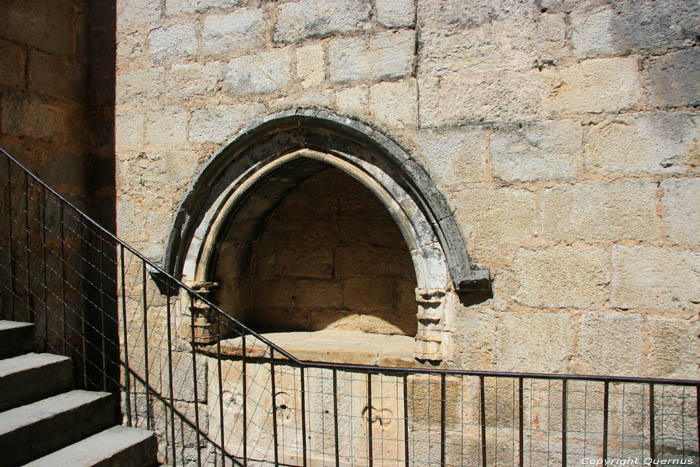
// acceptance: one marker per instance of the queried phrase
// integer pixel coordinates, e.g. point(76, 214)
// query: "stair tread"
point(24, 362)
point(5, 325)
point(96, 448)
point(18, 417)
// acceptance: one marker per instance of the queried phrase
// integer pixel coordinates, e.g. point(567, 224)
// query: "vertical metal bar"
point(405, 418)
point(85, 305)
point(335, 415)
point(43, 262)
point(195, 390)
point(482, 408)
point(652, 427)
point(563, 422)
point(170, 372)
point(303, 414)
point(245, 402)
point(30, 302)
point(145, 344)
point(10, 221)
point(63, 275)
point(221, 389)
point(127, 367)
point(443, 395)
point(521, 437)
point(697, 412)
point(369, 418)
point(606, 394)
point(100, 272)
point(274, 404)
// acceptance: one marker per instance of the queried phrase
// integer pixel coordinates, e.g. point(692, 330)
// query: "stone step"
point(116, 446)
point(15, 338)
point(31, 377)
point(34, 430)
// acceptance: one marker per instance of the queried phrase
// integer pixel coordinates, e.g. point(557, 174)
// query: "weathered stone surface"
point(14, 59)
point(319, 18)
point(395, 13)
point(454, 157)
point(654, 278)
point(601, 212)
point(262, 73)
point(609, 343)
point(562, 277)
point(176, 7)
point(503, 215)
point(130, 46)
point(537, 342)
point(319, 294)
point(353, 100)
point(623, 27)
point(394, 104)
point(671, 79)
point(550, 150)
point(238, 32)
point(681, 202)
point(46, 26)
point(56, 77)
point(134, 13)
point(655, 143)
point(218, 124)
point(310, 66)
point(596, 85)
point(673, 347)
point(167, 127)
point(186, 80)
point(483, 97)
point(385, 55)
point(311, 98)
point(175, 42)
point(60, 124)
point(456, 14)
point(140, 86)
point(130, 129)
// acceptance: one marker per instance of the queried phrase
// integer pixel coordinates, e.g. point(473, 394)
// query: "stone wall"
point(565, 135)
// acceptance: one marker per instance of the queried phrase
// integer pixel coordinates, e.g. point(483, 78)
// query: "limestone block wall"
point(565, 135)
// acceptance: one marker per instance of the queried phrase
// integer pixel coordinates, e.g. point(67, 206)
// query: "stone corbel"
point(431, 338)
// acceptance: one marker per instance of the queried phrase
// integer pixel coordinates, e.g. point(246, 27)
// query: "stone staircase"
point(45, 422)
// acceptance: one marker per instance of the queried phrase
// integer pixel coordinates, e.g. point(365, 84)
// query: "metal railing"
point(218, 393)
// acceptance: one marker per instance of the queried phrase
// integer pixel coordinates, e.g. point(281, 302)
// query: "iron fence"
point(218, 393)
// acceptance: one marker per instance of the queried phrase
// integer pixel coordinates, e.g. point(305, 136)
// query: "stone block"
point(167, 127)
point(130, 46)
point(562, 277)
point(500, 215)
point(353, 101)
point(624, 27)
point(549, 150)
point(186, 80)
point(310, 66)
point(681, 202)
point(368, 294)
point(654, 278)
point(262, 73)
point(319, 294)
point(310, 98)
point(425, 400)
point(319, 18)
point(48, 26)
point(601, 212)
point(673, 347)
point(671, 79)
point(177, 7)
point(609, 343)
point(131, 14)
point(455, 15)
point(60, 124)
point(140, 86)
point(535, 342)
point(56, 77)
point(238, 32)
point(394, 104)
point(396, 13)
point(14, 59)
point(594, 86)
point(454, 157)
point(385, 55)
point(173, 43)
point(218, 124)
point(657, 143)
point(501, 96)
point(130, 130)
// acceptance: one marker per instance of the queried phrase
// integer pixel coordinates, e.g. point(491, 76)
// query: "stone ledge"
point(328, 346)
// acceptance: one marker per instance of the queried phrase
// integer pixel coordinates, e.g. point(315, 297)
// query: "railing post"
point(482, 409)
point(10, 221)
point(27, 249)
point(274, 404)
point(244, 382)
point(127, 368)
point(145, 344)
point(443, 395)
point(606, 394)
point(652, 427)
point(195, 390)
point(405, 418)
point(521, 437)
point(303, 414)
point(43, 262)
point(221, 389)
point(369, 419)
point(63, 274)
point(170, 372)
point(335, 416)
point(563, 422)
